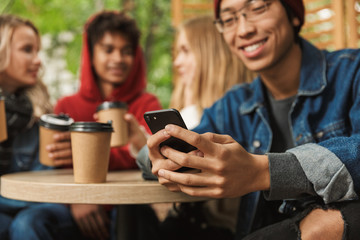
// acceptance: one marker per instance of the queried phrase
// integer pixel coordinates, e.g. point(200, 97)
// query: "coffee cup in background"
point(51, 124)
point(3, 128)
point(115, 111)
point(90, 143)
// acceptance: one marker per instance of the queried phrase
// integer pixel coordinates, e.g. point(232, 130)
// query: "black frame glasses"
point(251, 12)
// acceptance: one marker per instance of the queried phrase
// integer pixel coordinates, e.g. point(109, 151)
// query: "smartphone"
point(157, 120)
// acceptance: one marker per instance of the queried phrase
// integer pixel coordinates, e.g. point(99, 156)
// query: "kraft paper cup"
point(90, 143)
point(115, 112)
point(51, 124)
point(3, 128)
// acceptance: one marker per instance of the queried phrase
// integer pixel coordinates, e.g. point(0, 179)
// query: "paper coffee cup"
point(51, 124)
point(3, 128)
point(90, 143)
point(115, 111)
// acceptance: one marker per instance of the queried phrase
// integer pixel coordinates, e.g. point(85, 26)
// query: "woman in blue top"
point(26, 99)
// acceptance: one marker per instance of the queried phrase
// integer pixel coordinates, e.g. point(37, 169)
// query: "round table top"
point(57, 186)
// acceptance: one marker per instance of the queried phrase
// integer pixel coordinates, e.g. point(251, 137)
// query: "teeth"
point(254, 46)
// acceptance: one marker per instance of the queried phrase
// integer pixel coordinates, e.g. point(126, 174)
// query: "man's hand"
point(226, 168)
point(92, 220)
point(159, 161)
point(60, 151)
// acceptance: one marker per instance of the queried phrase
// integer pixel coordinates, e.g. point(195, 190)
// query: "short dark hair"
point(113, 22)
point(291, 15)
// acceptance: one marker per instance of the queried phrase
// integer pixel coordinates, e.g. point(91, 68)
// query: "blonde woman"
point(26, 99)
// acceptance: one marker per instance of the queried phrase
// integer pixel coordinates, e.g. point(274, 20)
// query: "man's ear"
point(296, 22)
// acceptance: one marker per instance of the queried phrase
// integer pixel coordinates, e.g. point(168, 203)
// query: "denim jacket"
point(26, 151)
point(25, 157)
point(324, 121)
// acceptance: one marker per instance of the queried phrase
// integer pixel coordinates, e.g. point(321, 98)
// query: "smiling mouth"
point(33, 72)
point(254, 47)
point(117, 70)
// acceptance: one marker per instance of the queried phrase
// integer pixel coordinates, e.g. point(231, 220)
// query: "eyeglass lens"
point(251, 12)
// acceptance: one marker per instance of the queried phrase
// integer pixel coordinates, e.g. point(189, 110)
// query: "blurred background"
point(330, 24)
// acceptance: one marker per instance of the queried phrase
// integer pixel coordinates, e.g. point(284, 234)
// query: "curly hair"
point(113, 22)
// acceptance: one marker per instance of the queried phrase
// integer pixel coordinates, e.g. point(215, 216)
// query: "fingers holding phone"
point(157, 120)
point(157, 159)
point(226, 168)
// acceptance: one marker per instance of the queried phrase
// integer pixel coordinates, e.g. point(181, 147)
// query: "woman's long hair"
point(218, 69)
point(38, 93)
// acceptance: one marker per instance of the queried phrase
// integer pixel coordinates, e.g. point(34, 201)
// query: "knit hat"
point(297, 7)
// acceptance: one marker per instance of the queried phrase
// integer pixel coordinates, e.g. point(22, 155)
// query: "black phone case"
point(157, 120)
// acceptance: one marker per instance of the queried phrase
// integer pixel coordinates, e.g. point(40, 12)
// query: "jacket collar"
point(312, 78)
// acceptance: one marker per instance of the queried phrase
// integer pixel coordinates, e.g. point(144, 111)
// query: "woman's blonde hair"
point(218, 69)
point(38, 93)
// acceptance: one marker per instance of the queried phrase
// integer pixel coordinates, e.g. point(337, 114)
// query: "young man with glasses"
point(293, 133)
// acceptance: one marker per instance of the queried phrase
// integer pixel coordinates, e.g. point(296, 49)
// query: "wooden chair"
point(353, 20)
point(182, 10)
point(324, 24)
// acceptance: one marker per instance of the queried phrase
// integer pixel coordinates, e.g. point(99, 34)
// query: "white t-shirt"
point(191, 116)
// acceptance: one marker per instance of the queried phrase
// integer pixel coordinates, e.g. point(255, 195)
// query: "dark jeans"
point(46, 221)
point(142, 224)
point(288, 229)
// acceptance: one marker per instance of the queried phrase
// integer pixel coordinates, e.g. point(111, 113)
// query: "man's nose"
point(244, 28)
point(117, 56)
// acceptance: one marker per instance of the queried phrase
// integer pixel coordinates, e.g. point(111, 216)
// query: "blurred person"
point(205, 69)
point(112, 69)
point(26, 99)
point(288, 142)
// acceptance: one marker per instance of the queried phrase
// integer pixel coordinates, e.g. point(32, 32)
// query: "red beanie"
point(297, 6)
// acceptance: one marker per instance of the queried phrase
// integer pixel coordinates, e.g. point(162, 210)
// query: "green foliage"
point(155, 23)
point(54, 17)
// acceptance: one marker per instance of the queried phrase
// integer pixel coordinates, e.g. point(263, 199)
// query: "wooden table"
point(57, 186)
point(123, 188)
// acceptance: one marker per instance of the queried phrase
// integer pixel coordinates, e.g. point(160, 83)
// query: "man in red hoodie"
point(112, 69)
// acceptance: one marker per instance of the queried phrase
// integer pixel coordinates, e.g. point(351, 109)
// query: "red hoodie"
point(82, 105)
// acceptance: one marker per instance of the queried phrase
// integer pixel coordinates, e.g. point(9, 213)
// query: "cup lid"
point(108, 105)
point(91, 127)
point(59, 122)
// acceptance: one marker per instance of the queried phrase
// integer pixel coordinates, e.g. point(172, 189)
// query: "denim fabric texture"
point(48, 221)
point(324, 121)
point(144, 164)
point(25, 157)
point(26, 151)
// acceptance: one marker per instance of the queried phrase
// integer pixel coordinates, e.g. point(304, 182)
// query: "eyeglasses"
point(252, 12)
